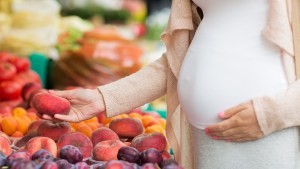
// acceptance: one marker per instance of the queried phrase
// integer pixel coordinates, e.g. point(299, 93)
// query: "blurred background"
point(83, 43)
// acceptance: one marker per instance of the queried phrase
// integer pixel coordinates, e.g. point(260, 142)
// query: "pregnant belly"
point(211, 82)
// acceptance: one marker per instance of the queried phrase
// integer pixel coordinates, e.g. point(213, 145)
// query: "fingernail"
point(215, 137)
point(207, 131)
point(50, 91)
point(221, 114)
point(229, 140)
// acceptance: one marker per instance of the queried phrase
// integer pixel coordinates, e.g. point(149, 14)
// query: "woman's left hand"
point(239, 124)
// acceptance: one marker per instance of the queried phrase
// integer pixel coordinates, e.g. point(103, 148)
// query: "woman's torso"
point(228, 61)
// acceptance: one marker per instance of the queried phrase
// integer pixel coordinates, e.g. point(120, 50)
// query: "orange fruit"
point(94, 119)
point(22, 125)
point(146, 119)
point(32, 116)
point(155, 128)
point(85, 130)
point(77, 125)
point(17, 134)
point(19, 111)
point(93, 125)
point(162, 122)
point(124, 115)
point(135, 115)
point(106, 120)
point(9, 125)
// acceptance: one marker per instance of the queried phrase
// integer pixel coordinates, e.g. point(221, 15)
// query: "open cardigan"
point(160, 77)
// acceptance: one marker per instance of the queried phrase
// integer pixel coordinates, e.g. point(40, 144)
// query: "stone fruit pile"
point(55, 145)
point(15, 122)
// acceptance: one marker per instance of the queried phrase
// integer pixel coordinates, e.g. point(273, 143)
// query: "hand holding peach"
point(85, 104)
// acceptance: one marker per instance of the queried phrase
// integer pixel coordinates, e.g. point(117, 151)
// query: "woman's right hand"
point(85, 104)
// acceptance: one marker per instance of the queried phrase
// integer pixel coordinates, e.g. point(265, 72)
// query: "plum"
point(49, 165)
point(91, 161)
point(168, 162)
point(71, 153)
point(18, 154)
point(23, 164)
point(61, 161)
point(151, 155)
point(97, 166)
point(129, 154)
point(82, 165)
point(66, 166)
point(42, 154)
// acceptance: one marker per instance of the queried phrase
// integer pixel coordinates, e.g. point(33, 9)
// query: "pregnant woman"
point(230, 56)
point(230, 62)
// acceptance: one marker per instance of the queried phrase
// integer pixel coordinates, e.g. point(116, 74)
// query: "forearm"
point(280, 111)
point(135, 90)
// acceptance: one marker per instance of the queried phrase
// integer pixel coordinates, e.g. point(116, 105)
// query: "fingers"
point(68, 118)
point(228, 134)
point(231, 111)
point(45, 116)
point(63, 93)
point(222, 126)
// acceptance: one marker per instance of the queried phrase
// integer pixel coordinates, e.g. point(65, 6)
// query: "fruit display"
point(131, 140)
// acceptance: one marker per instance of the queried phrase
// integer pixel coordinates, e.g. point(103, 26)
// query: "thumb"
point(62, 93)
point(231, 111)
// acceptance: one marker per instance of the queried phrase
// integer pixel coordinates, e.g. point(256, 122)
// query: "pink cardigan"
point(160, 78)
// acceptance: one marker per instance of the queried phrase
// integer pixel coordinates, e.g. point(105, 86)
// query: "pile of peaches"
point(132, 140)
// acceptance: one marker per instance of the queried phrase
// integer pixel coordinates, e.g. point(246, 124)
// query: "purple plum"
point(71, 153)
point(129, 154)
point(151, 155)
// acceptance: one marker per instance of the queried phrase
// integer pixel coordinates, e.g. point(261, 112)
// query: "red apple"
point(10, 90)
point(7, 71)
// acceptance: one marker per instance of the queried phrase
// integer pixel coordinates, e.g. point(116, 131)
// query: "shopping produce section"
point(49, 44)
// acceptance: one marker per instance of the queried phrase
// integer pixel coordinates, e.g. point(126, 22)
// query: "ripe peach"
point(103, 134)
point(4, 146)
point(33, 127)
point(149, 140)
point(29, 88)
point(127, 127)
point(53, 130)
point(37, 143)
point(107, 150)
point(77, 139)
point(49, 104)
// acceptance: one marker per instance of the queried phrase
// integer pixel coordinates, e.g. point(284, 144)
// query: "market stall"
point(69, 44)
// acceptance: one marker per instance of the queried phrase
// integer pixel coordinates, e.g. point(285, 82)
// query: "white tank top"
point(228, 61)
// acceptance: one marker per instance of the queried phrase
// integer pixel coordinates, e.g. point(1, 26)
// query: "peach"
point(149, 140)
point(103, 134)
point(166, 155)
point(50, 104)
point(34, 126)
point(5, 111)
point(5, 146)
point(37, 143)
point(5, 136)
point(53, 130)
point(76, 139)
point(21, 142)
point(35, 92)
point(127, 127)
point(107, 150)
point(118, 164)
point(29, 88)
